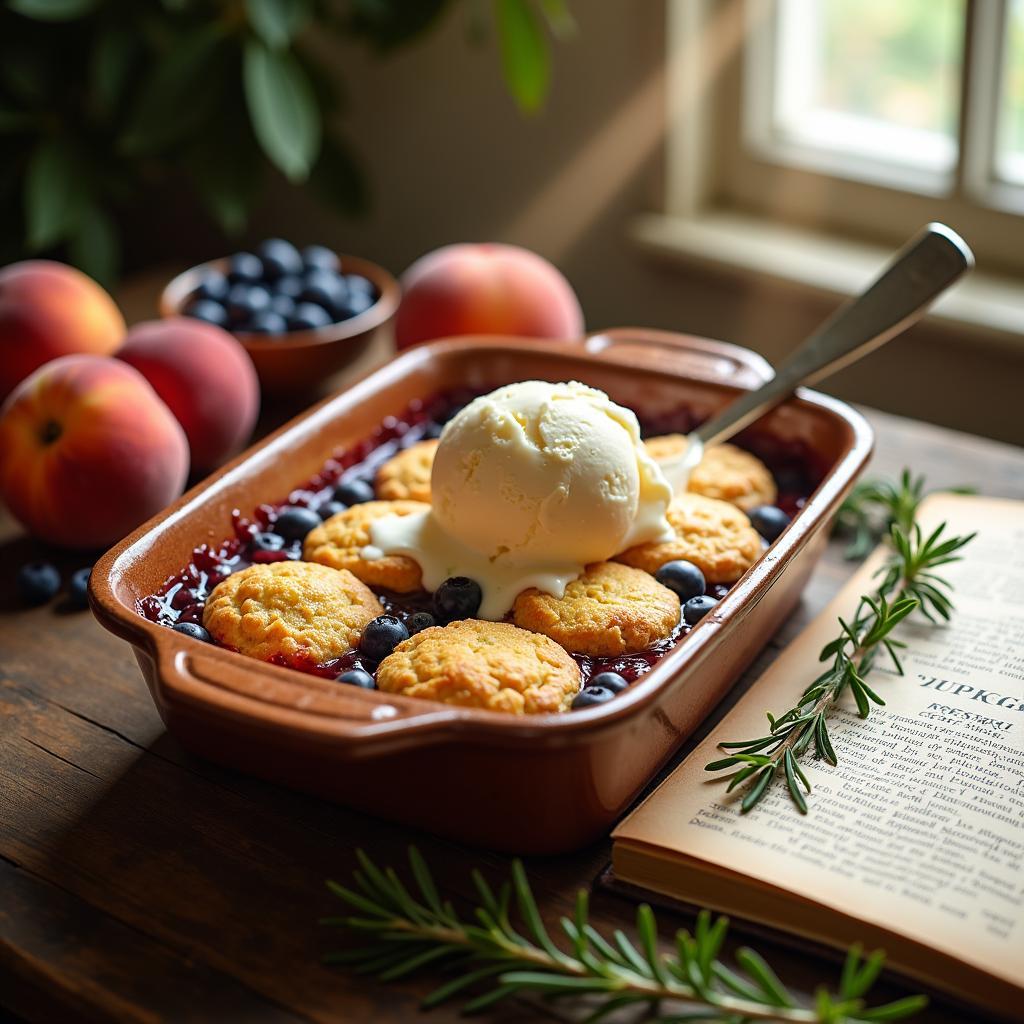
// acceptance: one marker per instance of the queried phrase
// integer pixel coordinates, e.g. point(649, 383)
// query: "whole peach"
point(48, 310)
point(206, 378)
point(485, 289)
point(88, 451)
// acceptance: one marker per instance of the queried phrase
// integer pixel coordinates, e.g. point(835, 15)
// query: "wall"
point(451, 159)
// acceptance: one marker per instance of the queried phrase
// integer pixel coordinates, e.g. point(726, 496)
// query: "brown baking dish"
point(539, 784)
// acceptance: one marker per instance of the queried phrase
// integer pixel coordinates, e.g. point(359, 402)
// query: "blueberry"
point(291, 285)
point(434, 430)
point(78, 588)
point(283, 305)
point(194, 630)
point(38, 582)
point(279, 258)
point(308, 316)
point(319, 257)
point(419, 621)
point(245, 267)
point(458, 597)
point(208, 310)
point(354, 491)
point(608, 681)
point(357, 677)
point(682, 577)
point(769, 521)
point(358, 283)
point(325, 289)
point(331, 508)
point(294, 522)
point(381, 635)
point(267, 541)
point(245, 301)
point(697, 607)
point(591, 696)
point(266, 322)
point(213, 285)
point(353, 305)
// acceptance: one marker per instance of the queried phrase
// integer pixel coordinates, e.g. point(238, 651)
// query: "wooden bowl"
point(299, 361)
point(528, 784)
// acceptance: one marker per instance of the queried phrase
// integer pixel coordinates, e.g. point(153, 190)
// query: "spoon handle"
point(927, 265)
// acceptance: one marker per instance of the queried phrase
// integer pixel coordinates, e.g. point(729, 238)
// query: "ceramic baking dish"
point(531, 784)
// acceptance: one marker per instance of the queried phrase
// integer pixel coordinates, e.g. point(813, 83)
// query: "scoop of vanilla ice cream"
point(537, 472)
point(530, 484)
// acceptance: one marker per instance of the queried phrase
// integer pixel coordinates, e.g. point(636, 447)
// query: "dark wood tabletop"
point(139, 883)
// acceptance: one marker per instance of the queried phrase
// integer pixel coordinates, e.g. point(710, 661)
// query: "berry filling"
point(274, 531)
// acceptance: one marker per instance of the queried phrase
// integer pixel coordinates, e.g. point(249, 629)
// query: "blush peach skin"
point(48, 310)
point(206, 378)
point(485, 289)
point(88, 451)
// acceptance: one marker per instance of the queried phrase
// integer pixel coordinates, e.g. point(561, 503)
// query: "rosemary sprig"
point(874, 507)
point(908, 582)
point(489, 959)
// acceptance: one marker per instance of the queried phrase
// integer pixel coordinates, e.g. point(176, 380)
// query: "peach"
point(206, 378)
point(88, 451)
point(485, 289)
point(48, 310)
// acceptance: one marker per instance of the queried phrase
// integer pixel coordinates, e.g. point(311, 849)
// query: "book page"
point(920, 828)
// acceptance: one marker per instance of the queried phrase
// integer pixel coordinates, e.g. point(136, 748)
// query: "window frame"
point(719, 160)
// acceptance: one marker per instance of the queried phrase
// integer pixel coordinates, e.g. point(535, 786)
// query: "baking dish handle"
point(685, 354)
point(307, 704)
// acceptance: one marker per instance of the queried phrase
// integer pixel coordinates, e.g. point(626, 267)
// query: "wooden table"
point(138, 883)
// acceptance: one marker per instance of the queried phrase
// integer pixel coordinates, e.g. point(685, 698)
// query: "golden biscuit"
point(716, 536)
point(478, 664)
point(725, 472)
point(340, 540)
point(611, 609)
point(290, 609)
point(406, 476)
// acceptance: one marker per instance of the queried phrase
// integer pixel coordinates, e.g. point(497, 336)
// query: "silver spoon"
point(918, 274)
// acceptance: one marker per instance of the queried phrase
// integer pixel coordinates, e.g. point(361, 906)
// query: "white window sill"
point(990, 307)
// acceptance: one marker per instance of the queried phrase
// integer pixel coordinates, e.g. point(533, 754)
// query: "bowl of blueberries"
point(301, 314)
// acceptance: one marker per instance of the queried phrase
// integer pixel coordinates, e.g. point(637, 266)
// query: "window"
point(861, 119)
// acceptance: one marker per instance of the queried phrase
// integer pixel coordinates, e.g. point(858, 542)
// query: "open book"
point(915, 842)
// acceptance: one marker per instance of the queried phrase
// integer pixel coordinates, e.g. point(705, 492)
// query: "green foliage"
point(908, 583)
point(403, 929)
point(102, 101)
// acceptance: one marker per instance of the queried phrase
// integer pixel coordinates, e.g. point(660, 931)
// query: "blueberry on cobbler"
point(293, 522)
point(682, 577)
point(697, 607)
point(591, 696)
point(357, 677)
point(381, 636)
point(192, 629)
point(354, 492)
point(419, 621)
point(331, 508)
point(769, 521)
point(458, 597)
point(608, 681)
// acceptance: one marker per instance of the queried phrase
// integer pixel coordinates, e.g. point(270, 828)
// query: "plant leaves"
point(113, 58)
point(278, 22)
point(282, 109)
point(338, 179)
point(178, 93)
point(52, 10)
point(227, 171)
point(525, 57)
point(53, 194)
point(388, 25)
point(94, 246)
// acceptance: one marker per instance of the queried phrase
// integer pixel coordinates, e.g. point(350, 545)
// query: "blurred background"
point(730, 168)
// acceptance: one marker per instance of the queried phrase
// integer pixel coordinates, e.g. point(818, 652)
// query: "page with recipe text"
point(920, 828)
